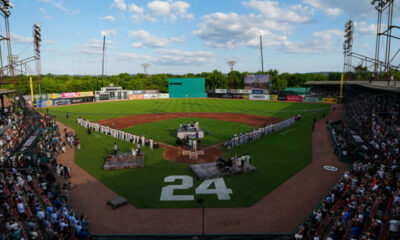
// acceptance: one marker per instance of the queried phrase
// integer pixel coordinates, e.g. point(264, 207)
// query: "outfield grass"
point(165, 131)
point(277, 156)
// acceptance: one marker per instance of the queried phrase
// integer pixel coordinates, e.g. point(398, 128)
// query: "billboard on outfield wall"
point(313, 99)
point(259, 82)
point(85, 94)
point(150, 96)
point(221, 90)
point(274, 97)
point(44, 103)
point(294, 98)
point(135, 96)
point(329, 100)
point(70, 95)
point(259, 97)
point(54, 95)
point(60, 102)
point(163, 95)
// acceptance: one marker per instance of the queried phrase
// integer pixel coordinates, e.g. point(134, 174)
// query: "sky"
point(191, 36)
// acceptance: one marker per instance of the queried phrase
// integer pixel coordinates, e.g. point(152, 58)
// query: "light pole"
point(201, 202)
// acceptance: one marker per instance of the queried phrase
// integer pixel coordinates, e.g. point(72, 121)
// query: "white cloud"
point(271, 10)
point(61, 7)
point(179, 57)
point(322, 41)
point(366, 29)
point(20, 39)
point(150, 40)
point(42, 10)
point(93, 46)
point(108, 32)
point(131, 56)
point(50, 42)
point(135, 9)
point(333, 12)
point(108, 18)
point(120, 5)
point(355, 9)
point(168, 10)
point(231, 30)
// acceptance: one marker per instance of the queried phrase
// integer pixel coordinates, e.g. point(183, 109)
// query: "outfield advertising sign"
point(54, 95)
point(70, 95)
point(257, 91)
point(329, 100)
point(221, 90)
point(294, 98)
point(163, 95)
point(274, 97)
point(136, 96)
point(61, 102)
point(85, 94)
point(150, 96)
point(44, 103)
point(313, 99)
point(259, 97)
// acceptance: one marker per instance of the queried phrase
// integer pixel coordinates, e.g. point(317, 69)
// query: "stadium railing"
point(283, 236)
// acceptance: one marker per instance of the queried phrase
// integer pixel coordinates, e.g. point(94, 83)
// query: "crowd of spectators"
point(320, 92)
point(365, 203)
point(33, 195)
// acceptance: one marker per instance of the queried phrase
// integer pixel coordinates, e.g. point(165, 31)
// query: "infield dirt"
point(172, 153)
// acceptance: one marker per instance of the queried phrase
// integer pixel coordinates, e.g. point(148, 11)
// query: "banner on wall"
point(150, 96)
point(54, 95)
point(293, 98)
point(135, 96)
point(257, 91)
point(221, 90)
point(274, 97)
point(329, 100)
point(61, 102)
point(259, 97)
point(44, 103)
point(163, 95)
point(70, 95)
point(85, 94)
point(40, 97)
point(313, 99)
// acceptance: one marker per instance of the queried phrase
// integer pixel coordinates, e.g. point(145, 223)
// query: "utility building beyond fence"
point(187, 88)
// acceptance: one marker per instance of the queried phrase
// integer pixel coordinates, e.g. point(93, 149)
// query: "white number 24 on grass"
point(167, 192)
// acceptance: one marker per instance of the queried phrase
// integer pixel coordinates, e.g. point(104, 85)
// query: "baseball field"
point(277, 156)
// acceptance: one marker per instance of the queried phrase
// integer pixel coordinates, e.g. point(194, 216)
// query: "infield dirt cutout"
point(172, 153)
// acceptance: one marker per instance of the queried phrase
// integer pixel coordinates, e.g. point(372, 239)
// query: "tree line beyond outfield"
point(214, 80)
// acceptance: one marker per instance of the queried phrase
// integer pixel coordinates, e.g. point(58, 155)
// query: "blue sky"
point(191, 36)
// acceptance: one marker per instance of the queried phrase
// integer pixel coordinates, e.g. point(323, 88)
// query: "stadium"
point(243, 155)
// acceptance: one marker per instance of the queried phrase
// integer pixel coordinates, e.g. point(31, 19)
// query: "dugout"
point(187, 88)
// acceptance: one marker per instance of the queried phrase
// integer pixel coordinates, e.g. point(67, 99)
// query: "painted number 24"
point(167, 192)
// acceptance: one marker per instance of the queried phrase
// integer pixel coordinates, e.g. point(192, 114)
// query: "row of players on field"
point(243, 138)
point(125, 136)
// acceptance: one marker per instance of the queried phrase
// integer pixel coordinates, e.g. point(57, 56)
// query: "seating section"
point(365, 203)
point(33, 204)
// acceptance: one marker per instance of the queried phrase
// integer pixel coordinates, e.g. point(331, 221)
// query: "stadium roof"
point(6, 91)
point(297, 90)
point(380, 85)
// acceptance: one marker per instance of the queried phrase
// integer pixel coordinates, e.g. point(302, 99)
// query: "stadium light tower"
point(37, 40)
point(231, 64)
point(262, 53)
point(5, 6)
point(348, 46)
point(145, 66)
